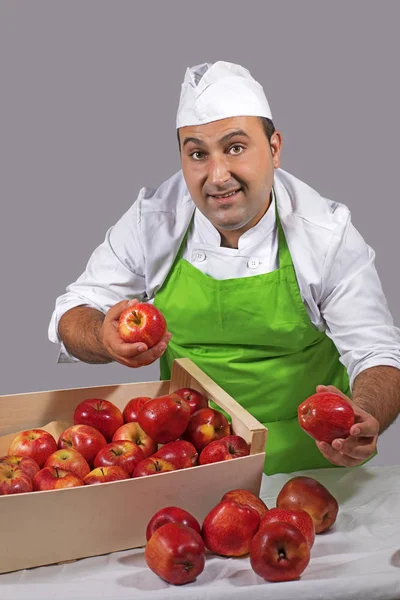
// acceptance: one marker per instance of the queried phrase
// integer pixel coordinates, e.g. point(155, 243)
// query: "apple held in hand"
point(228, 447)
point(180, 453)
point(176, 553)
point(134, 433)
point(70, 460)
point(13, 480)
point(299, 518)
point(83, 438)
point(123, 453)
point(131, 410)
point(152, 466)
point(246, 498)
point(164, 418)
point(100, 414)
point(229, 527)
point(279, 552)
point(33, 443)
point(142, 322)
point(53, 478)
point(205, 426)
point(326, 416)
point(308, 494)
point(28, 465)
point(171, 514)
point(105, 474)
point(195, 399)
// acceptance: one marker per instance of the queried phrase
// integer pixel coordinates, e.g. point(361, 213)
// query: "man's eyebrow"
point(224, 139)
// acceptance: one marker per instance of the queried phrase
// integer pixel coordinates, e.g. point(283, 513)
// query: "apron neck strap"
point(285, 260)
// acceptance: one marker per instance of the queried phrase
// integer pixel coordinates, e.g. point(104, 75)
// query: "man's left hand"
point(361, 443)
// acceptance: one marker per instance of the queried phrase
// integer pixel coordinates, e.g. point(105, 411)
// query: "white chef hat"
point(213, 91)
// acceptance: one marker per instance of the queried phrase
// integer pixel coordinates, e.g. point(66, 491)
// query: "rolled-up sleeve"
point(113, 273)
point(354, 306)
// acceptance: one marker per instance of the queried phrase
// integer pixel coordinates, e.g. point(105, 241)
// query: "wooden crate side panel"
point(93, 520)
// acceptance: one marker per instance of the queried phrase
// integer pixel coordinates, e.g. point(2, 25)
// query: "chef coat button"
point(200, 256)
point(253, 263)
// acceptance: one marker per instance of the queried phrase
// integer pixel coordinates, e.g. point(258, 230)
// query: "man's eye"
point(236, 149)
point(196, 155)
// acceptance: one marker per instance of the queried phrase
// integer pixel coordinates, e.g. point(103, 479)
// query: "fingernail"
point(141, 348)
point(356, 431)
point(338, 445)
point(162, 348)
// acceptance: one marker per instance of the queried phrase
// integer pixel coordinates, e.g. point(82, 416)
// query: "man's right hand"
point(129, 354)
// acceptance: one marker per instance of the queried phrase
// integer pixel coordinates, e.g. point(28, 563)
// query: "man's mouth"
point(225, 196)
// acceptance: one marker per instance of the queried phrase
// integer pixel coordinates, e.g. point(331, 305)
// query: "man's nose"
point(218, 173)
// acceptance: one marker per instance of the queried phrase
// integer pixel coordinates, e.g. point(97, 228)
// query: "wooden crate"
point(54, 526)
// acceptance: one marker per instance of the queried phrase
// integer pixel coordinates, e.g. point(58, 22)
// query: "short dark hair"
point(267, 124)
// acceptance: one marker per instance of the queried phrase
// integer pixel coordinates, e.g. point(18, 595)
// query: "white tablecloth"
point(358, 559)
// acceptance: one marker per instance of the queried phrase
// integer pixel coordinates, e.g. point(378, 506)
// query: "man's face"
point(230, 156)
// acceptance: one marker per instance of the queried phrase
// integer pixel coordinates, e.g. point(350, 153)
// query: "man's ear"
point(276, 146)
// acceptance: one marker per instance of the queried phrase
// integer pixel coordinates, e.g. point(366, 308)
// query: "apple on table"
point(176, 553)
point(306, 493)
point(279, 552)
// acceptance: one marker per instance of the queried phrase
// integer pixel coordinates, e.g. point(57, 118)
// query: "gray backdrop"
point(89, 92)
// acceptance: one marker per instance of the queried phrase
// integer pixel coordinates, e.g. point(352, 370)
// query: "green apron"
point(253, 336)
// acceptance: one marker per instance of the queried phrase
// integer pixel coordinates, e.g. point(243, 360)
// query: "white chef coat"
point(334, 266)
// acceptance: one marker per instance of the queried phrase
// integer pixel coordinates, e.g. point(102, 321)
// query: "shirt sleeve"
point(354, 307)
point(115, 272)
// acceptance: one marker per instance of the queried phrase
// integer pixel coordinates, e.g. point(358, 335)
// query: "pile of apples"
point(150, 436)
point(277, 540)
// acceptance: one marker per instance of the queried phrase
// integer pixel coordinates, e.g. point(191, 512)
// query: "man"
point(264, 284)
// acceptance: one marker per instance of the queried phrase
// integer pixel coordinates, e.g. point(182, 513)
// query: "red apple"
point(83, 438)
point(131, 409)
point(229, 527)
point(299, 518)
point(142, 322)
point(28, 465)
point(195, 399)
point(176, 553)
point(171, 514)
point(70, 460)
point(33, 443)
point(228, 447)
point(326, 416)
point(123, 453)
point(100, 414)
point(53, 478)
point(279, 552)
point(152, 466)
point(205, 426)
point(13, 480)
point(180, 453)
point(308, 494)
point(134, 433)
point(164, 418)
point(105, 474)
point(247, 499)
